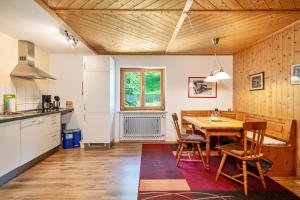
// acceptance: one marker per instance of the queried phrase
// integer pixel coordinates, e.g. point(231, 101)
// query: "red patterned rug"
point(160, 179)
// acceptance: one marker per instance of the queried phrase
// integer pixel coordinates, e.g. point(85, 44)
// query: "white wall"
point(28, 91)
point(67, 69)
point(178, 69)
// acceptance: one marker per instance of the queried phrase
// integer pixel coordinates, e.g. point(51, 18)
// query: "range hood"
point(26, 67)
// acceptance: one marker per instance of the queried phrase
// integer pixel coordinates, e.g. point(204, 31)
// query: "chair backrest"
point(258, 130)
point(175, 120)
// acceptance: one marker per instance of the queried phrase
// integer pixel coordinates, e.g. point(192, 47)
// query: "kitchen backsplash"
point(26, 98)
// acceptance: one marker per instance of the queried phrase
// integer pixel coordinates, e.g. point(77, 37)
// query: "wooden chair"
point(244, 154)
point(184, 139)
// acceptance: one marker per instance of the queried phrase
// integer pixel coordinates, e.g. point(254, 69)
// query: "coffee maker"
point(46, 103)
point(56, 103)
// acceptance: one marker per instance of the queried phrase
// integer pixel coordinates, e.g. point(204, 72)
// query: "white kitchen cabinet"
point(98, 99)
point(24, 140)
point(53, 137)
point(97, 127)
point(96, 90)
point(39, 135)
point(31, 139)
point(9, 146)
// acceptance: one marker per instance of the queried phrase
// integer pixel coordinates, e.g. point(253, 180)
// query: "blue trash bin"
point(67, 139)
point(76, 137)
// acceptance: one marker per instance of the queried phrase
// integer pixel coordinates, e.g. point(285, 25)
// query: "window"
point(142, 89)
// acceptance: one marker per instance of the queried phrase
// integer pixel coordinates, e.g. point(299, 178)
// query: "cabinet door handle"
point(82, 88)
point(84, 107)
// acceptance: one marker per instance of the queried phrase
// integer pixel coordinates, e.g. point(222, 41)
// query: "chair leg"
point(238, 166)
point(221, 165)
point(201, 155)
point(178, 149)
point(180, 153)
point(262, 178)
point(245, 178)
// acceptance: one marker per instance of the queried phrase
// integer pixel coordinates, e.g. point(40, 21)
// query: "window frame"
point(142, 86)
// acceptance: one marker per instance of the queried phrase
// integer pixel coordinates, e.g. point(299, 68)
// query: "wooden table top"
point(223, 123)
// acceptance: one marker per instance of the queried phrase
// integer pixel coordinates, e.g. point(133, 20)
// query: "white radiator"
point(142, 126)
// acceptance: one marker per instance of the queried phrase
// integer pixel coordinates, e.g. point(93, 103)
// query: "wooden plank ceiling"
point(146, 26)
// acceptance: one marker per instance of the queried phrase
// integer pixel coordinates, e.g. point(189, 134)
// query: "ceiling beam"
point(183, 16)
point(52, 13)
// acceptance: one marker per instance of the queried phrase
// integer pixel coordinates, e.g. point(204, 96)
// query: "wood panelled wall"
point(274, 56)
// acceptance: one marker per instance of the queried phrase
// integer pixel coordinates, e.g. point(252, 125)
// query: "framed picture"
point(200, 89)
point(257, 81)
point(295, 74)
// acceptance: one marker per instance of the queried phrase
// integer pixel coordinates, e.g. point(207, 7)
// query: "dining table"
point(217, 126)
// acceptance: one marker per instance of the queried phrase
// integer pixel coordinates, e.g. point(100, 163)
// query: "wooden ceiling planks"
point(273, 4)
point(260, 4)
point(142, 31)
point(174, 4)
point(77, 4)
point(287, 4)
point(204, 4)
point(146, 26)
point(197, 38)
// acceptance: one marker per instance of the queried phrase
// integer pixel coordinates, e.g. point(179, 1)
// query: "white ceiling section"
point(26, 20)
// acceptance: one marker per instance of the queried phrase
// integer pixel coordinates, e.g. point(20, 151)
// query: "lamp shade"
point(221, 75)
point(211, 78)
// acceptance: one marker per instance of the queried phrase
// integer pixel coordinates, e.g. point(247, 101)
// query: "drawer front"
point(55, 129)
point(54, 140)
point(53, 122)
point(31, 122)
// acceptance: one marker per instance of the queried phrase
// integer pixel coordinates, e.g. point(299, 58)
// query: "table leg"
point(207, 152)
point(219, 144)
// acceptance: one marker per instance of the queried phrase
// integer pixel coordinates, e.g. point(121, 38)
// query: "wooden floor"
point(81, 174)
point(89, 174)
point(291, 183)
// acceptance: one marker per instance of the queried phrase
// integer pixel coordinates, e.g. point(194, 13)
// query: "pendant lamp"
point(219, 74)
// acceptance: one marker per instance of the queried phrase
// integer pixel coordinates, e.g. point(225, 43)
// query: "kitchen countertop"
point(31, 114)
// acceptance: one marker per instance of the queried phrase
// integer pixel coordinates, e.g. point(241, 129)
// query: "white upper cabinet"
point(9, 146)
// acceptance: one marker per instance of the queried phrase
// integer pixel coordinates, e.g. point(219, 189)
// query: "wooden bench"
point(186, 126)
point(279, 143)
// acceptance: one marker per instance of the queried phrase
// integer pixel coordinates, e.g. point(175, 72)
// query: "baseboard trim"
point(16, 172)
